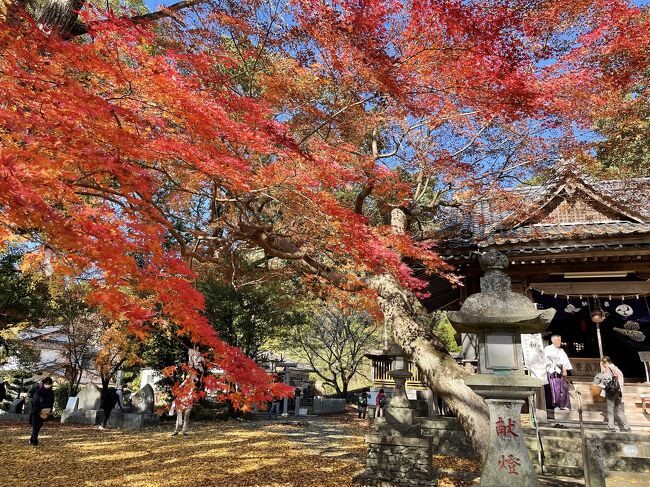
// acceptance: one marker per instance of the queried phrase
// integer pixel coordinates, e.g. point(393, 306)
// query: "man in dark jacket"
point(362, 404)
point(109, 399)
point(43, 400)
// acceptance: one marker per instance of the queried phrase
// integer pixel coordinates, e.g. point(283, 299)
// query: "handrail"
point(540, 446)
point(585, 455)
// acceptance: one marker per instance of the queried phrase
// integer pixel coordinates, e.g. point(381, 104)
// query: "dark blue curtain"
point(573, 321)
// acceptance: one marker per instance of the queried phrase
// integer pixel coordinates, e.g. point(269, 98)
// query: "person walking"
point(42, 404)
point(182, 405)
point(108, 400)
point(612, 383)
point(362, 404)
point(380, 402)
point(274, 409)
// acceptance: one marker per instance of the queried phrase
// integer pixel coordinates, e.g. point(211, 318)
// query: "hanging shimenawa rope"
point(609, 296)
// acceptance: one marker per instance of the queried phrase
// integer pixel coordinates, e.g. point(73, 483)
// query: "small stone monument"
point(16, 406)
point(499, 316)
point(18, 411)
point(90, 397)
point(143, 400)
point(84, 409)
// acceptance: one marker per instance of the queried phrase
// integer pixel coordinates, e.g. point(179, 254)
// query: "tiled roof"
point(491, 222)
point(557, 248)
point(538, 232)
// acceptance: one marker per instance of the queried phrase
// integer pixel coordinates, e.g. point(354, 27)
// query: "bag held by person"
point(612, 386)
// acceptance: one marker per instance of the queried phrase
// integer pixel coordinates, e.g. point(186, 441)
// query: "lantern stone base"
point(398, 460)
point(507, 462)
point(400, 417)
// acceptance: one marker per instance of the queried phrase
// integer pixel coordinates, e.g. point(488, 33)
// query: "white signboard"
point(72, 404)
point(533, 349)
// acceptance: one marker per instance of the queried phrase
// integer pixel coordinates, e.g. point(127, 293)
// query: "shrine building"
point(579, 245)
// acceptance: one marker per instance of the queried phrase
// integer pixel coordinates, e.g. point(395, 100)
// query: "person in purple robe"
point(557, 368)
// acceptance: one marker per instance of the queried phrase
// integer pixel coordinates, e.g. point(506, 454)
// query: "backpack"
point(363, 400)
point(612, 386)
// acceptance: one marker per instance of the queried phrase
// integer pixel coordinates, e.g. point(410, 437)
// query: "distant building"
point(49, 343)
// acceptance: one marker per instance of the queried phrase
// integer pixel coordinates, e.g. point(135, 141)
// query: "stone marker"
point(143, 400)
point(507, 457)
point(72, 404)
point(595, 456)
point(16, 406)
point(89, 397)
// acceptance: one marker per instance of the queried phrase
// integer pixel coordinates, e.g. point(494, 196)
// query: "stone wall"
point(562, 447)
point(323, 405)
point(397, 461)
point(18, 418)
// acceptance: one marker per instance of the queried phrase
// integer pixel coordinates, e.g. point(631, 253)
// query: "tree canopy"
point(323, 134)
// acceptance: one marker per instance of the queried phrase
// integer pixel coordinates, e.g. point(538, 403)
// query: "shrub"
point(61, 394)
point(201, 413)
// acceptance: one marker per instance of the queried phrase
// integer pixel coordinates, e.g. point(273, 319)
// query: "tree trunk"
point(59, 15)
point(439, 371)
point(344, 391)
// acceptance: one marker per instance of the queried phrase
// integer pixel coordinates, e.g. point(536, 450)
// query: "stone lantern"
point(286, 366)
point(398, 453)
point(498, 317)
point(398, 412)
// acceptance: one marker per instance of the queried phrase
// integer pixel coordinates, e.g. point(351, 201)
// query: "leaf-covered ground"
point(322, 452)
point(326, 452)
point(214, 454)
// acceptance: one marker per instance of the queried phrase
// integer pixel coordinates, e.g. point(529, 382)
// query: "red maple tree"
point(321, 135)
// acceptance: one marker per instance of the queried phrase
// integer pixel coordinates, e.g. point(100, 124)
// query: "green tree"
point(24, 300)
point(445, 332)
point(164, 349)
point(625, 150)
point(19, 382)
point(250, 315)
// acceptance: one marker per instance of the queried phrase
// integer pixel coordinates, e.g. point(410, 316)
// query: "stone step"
point(555, 470)
point(628, 400)
point(638, 465)
point(635, 388)
point(597, 416)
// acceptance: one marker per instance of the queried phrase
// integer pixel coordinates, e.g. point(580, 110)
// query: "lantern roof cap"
point(496, 306)
point(394, 351)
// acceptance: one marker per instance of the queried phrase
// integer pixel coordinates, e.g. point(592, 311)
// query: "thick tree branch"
point(80, 29)
point(361, 197)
